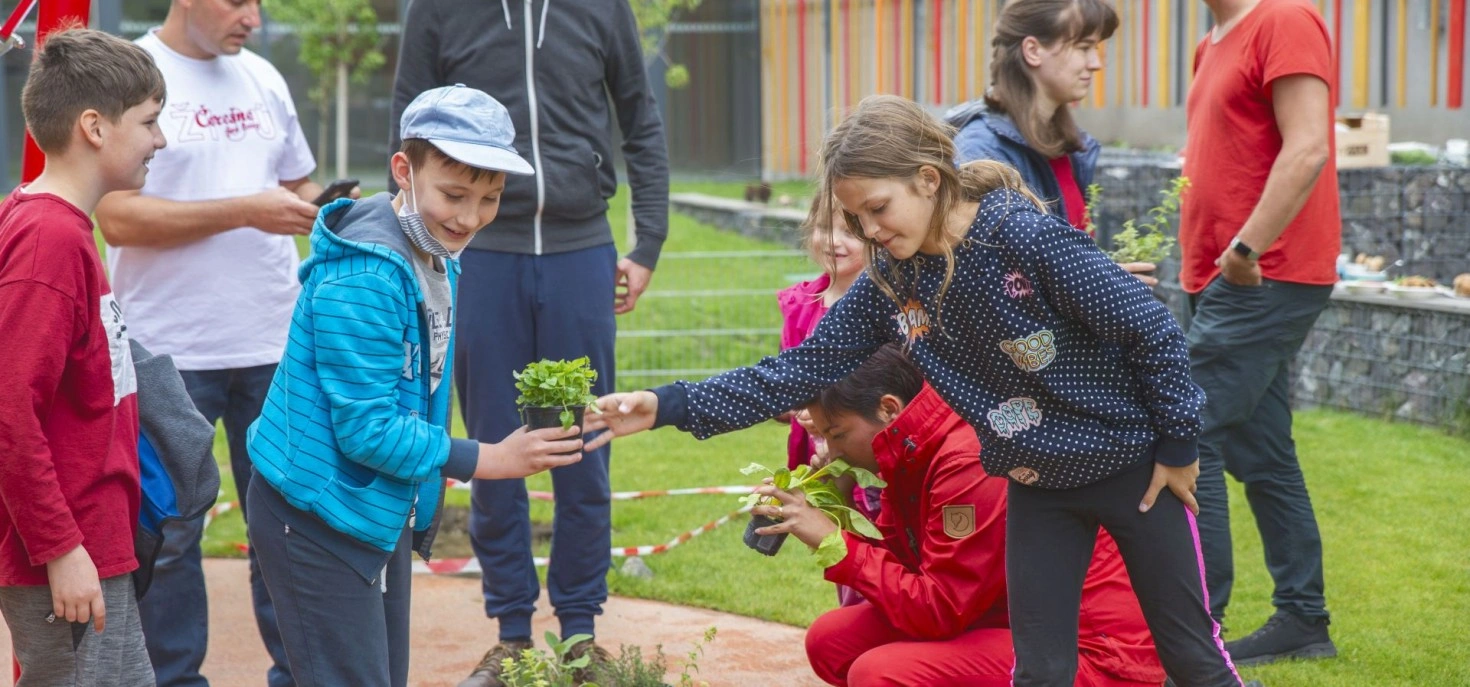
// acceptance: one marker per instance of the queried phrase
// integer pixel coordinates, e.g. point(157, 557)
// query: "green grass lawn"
point(1388, 497)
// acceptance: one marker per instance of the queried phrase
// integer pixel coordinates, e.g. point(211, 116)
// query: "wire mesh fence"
point(718, 311)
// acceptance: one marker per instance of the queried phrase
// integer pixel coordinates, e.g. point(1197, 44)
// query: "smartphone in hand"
point(337, 189)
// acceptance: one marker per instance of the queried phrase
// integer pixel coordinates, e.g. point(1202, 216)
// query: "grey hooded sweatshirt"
point(556, 65)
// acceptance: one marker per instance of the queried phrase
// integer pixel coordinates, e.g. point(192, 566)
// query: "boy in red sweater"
point(936, 583)
point(68, 402)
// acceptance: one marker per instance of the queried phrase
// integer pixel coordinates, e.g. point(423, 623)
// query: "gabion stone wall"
point(1391, 359)
point(1420, 215)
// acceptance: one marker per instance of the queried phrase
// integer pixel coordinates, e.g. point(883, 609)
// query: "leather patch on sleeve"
point(959, 521)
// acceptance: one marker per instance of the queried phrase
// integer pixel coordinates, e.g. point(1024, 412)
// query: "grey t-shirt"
point(438, 308)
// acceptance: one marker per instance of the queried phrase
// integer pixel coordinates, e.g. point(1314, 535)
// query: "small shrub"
point(1145, 241)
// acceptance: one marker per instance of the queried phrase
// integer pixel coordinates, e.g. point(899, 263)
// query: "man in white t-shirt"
point(203, 261)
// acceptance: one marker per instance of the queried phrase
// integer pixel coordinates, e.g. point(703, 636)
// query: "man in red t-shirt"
point(1260, 233)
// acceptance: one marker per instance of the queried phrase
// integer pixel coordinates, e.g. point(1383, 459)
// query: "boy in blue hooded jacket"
point(351, 449)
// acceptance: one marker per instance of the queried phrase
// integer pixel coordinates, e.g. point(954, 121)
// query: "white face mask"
point(413, 224)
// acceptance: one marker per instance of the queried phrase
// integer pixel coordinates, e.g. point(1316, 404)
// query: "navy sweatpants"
point(515, 309)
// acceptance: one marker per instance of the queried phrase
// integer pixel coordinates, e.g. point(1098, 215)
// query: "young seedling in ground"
point(820, 489)
point(565, 384)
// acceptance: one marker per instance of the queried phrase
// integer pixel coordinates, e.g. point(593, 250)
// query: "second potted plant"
point(554, 393)
point(820, 490)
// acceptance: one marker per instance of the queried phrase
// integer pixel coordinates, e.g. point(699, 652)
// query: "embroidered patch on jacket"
point(913, 321)
point(959, 521)
point(1016, 284)
point(1015, 415)
point(1025, 475)
point(1033, 352)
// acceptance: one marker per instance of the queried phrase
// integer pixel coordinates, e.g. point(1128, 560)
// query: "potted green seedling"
point(554, 393)
point(1145, 241)
point(820, 488)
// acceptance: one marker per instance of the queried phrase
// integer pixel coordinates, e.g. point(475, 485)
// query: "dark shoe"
point(487, 674)
point(1285, 635)
point(596, 655)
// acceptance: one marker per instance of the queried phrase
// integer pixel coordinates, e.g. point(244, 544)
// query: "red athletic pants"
point(856, 646)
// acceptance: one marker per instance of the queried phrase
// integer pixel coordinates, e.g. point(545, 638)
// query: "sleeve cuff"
point(673, 405)
point(1176, 453)
point(845, 571)
point(647, 250)
point(464, 457)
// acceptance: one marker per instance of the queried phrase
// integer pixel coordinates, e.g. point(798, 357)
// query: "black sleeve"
point(860, 322)
point(644, 150)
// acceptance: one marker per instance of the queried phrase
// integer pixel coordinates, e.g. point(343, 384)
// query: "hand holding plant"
point(810, 525)
point(805, 493)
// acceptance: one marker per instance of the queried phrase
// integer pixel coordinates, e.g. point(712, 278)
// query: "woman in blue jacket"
point(1045, 53)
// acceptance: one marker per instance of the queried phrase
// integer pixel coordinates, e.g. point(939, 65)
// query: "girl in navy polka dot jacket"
point(1075, 377)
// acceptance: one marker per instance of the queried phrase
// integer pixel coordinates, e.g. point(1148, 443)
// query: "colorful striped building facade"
point(819, 57)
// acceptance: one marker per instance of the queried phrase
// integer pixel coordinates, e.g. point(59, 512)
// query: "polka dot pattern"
point(1066, 366)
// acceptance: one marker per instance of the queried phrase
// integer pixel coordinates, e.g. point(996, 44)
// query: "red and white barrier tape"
point(471, 566)
point(468, 566)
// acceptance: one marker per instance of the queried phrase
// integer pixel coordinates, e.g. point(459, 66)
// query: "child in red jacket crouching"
point(936, 582)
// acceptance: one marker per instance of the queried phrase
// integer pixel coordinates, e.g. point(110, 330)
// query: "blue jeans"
point(516, 309)
point(175, 611)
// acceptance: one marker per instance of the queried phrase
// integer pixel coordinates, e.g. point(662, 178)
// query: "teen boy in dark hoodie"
point(547, 282)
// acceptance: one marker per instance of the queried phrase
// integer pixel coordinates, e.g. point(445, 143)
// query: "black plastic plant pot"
point(542, 417)
point(767, 544)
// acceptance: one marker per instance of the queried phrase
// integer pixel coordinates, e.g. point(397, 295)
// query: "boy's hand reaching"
point(622, 414)
point(76, 593)
point(1179, 480)
point(526, 452)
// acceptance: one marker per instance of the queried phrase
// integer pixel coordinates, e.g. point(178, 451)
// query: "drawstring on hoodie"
point(541, 32)
point(541, 36)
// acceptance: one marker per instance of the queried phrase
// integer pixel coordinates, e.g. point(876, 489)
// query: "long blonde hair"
point(888, 137)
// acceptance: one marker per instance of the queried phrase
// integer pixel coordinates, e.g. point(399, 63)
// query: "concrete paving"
point(450, 633)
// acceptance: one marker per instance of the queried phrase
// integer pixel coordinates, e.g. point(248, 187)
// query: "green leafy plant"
point(1148, 240)
point(820, 489)
point(535, 668)
point(632, 669)
point(564, 384)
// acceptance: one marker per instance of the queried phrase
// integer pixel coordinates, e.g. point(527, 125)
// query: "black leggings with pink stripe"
point(1050, 535)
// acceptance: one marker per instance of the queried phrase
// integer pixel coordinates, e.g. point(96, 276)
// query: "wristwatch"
point(1245, 251)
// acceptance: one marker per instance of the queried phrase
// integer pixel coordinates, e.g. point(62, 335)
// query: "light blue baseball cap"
point(467, 125)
